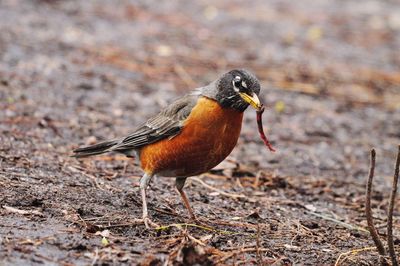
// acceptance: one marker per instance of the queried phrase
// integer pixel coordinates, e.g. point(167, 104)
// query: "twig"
point(197, 226)
point(390, 212)
point(368, 211)
point(234, 224)
point(14, 174)
point(258, 244)
point(279, 261)
point(345, 225)
point(226, 249)
point(204, 184)
point(351, 252)
point(95, 257)
point(134, 222)
point(23, 212)
point(242, 250)
point(257, 180)
point(215, 176)
point(195, 240)
point(77, 170)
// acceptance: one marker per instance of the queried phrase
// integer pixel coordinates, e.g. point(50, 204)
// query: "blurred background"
point(75, 72)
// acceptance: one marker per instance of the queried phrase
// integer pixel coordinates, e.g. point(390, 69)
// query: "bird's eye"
point(237, 81)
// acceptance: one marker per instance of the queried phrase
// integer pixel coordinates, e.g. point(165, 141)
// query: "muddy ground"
point(75, 72)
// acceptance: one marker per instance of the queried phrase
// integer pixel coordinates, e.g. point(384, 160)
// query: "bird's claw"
point(149, 223)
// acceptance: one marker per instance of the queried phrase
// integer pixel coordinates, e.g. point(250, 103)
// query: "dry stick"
point(368, 211)
point(233, 224)
point(204, 184)
point(390, 212)
point(200, 227)
point(240, 251)
point(258, 244)
point(134, 222)
point(351, 252)
point(345, 225)
point(196, 240)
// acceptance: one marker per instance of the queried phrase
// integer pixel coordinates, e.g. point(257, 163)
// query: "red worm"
point(261, 129)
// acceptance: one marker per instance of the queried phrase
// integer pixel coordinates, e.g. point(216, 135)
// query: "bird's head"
point(236, 89)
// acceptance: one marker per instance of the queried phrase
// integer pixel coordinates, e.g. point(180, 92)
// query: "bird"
point(188, 137)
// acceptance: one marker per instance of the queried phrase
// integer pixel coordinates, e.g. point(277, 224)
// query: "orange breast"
point(209, 135)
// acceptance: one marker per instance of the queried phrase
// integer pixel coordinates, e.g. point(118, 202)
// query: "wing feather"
point(167, 124)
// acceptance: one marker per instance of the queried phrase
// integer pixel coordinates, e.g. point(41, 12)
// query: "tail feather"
point(95, 149)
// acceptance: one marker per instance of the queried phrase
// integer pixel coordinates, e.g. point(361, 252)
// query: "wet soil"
point(76, 72)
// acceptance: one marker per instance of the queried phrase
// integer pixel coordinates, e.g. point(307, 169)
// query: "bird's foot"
point(149, 223)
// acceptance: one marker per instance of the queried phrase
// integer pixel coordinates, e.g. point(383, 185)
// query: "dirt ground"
point(75, 72)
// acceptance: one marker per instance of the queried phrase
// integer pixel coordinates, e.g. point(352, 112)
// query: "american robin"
point(190, 136)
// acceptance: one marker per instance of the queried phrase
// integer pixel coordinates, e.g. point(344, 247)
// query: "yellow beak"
point(252, 100)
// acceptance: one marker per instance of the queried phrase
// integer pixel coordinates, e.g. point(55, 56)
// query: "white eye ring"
point(235, 80)
point(244, 84)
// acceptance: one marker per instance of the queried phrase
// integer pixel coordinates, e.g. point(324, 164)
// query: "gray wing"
point(167, 123)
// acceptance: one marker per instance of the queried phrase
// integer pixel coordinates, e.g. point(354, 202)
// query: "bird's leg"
point(144, 183)
point(179, 183)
